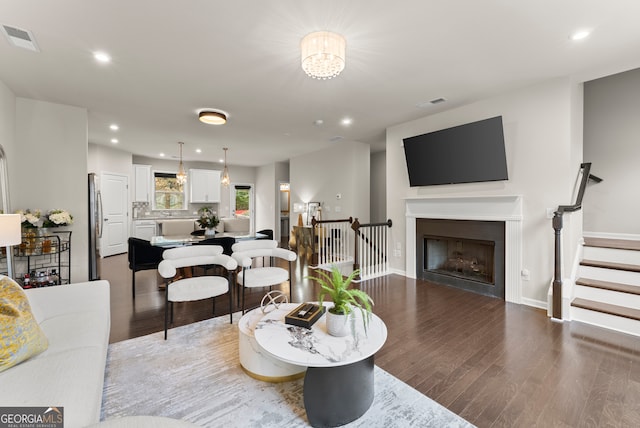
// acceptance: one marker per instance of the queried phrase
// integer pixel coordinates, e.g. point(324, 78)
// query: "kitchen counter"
point(174, 217)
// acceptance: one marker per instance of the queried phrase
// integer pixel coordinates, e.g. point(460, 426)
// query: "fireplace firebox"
point(466, 254)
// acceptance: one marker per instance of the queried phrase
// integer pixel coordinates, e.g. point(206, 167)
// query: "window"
point(243, 201)
point(168, 193)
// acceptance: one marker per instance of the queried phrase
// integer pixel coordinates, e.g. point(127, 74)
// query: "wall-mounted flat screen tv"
point(468, 153)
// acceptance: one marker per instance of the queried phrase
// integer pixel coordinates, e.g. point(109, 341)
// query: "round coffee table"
point(338, 384)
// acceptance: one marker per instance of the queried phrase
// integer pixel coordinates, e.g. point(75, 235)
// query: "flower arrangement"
point(30, 219)
point(208, 218)
point(55, 218)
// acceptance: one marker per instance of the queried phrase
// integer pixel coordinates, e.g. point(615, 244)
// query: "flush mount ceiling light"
point(225, 180)
point(580, 35)
point(212, 117)
point(323, 54)
point(102, 57)
point(181, 176)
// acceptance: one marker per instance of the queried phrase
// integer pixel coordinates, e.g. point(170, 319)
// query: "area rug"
point(196, 376)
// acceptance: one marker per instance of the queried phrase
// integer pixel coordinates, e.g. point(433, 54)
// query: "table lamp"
point(10, 234)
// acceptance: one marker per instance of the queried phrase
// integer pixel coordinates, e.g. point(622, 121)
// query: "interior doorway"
point(284, 202)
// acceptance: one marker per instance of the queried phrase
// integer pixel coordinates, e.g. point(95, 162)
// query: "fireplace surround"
point(507, 209)
point(467, 254)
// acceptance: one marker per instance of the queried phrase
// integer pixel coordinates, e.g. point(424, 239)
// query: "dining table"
point(171, 241)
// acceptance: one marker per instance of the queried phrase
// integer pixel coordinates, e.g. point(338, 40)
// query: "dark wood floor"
point(494, 363)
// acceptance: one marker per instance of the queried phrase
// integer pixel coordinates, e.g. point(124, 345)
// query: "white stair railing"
point(332, 244)
point(371, 246)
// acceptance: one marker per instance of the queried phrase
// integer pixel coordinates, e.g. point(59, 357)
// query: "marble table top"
point(315, 347)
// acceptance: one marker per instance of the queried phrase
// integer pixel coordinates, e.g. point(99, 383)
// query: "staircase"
point(607, 290)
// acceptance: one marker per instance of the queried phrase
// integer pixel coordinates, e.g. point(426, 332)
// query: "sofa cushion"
point(20, 335)
point(237, 224)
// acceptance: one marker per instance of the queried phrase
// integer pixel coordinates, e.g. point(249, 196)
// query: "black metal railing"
point(557, 229)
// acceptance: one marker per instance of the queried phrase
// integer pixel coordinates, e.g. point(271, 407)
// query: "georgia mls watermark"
point(31, 417)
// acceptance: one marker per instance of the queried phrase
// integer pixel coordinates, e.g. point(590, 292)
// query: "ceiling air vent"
point(20, 38)
point(430, 103)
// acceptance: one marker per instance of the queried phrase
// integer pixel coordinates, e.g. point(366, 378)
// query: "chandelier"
point(181, 176)
point(323, 54)
point(225, 180)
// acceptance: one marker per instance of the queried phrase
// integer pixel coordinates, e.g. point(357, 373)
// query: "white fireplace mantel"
point(506, 208)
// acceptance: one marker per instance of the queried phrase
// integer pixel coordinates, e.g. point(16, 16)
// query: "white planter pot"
point(210, 232)
point(338, 325)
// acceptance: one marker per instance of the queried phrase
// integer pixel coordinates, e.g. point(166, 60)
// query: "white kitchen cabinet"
point(144, 229)
point(204, 185)
point(142, 183)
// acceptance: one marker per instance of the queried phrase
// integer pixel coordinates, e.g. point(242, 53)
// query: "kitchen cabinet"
point(142, 183)
point(144, 229)
point(204, 185)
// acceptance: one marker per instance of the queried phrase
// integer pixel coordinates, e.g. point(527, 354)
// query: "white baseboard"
point(628, 236)
point(399, 272)
point(540, 304)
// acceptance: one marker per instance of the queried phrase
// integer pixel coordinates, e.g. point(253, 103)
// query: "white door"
point(115, 200)
point(243, 203)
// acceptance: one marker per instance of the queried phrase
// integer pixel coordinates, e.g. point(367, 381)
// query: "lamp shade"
point(323, 54)
point(10, 229)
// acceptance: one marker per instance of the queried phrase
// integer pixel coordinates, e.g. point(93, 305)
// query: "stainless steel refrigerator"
point(95, 227)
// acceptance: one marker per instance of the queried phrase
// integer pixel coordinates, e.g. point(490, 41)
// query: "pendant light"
point(225, 180)
point(181, 176)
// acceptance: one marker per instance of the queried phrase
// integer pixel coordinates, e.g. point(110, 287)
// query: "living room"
point(553, 118)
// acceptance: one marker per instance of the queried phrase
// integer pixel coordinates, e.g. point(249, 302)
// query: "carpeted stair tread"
point(620, 244)
point(607, 308)
point(607, 285)
point(610, 265)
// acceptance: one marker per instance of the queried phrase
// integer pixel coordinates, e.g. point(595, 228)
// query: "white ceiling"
point(172, 58)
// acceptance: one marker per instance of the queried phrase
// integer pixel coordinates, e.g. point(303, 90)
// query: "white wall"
point(108, 159)
point(7, 135)
point(378, 187)
point(542, 166)
point(611, 143)
point(49, 169)
point(320, 176)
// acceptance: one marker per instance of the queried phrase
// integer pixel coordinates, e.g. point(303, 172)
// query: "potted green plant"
point(340, 316)
point(208, 220)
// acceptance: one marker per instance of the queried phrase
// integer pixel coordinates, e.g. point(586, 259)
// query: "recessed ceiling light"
point(102, 57)
point(221, 160)
point(212, 117)
point(198, 150)
point(346, 121)
point(114, 127)
point(318, 122)
point(161, 155)
point(580, 35)
point(114, 140)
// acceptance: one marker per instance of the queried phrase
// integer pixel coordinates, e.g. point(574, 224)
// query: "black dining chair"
point(226, 242)
point(142, 256)
point(267, 232)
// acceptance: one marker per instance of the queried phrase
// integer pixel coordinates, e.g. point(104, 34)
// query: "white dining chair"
point(182, 287)
point(253, 276)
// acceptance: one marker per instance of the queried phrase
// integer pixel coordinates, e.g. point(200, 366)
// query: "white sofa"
point(70, 373)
